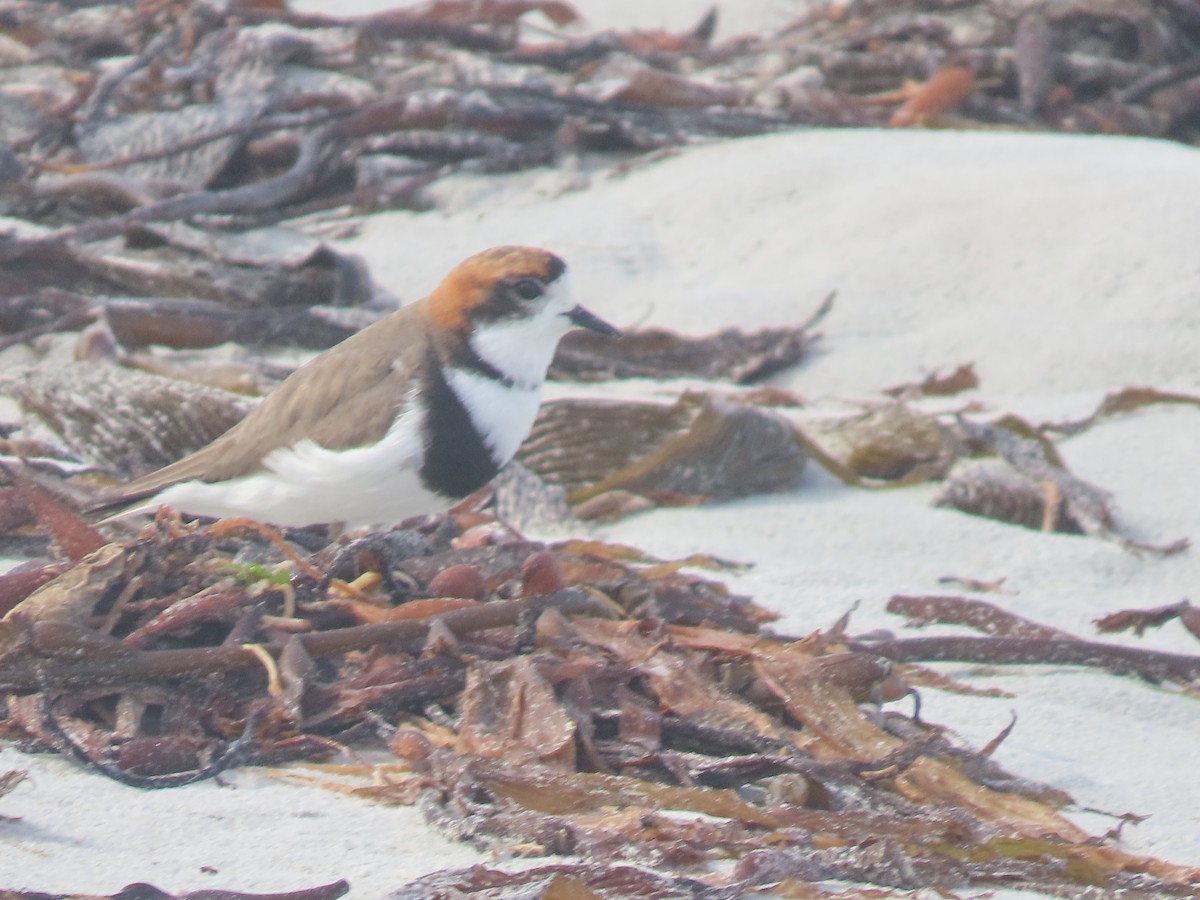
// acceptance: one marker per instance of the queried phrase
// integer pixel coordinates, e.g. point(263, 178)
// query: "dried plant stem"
point(53, 670)
point(1151, 665)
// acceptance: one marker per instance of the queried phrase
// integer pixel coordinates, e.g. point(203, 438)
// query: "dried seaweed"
point(596, 702)
point(1016, 640)
point(1123, 401)
point(995, 490)
point(1138, 620)
point(1029, 485)
point(575, 880)
point(200, 323)
point(977, 614)
point(142, 891)
point(656, 353)
point(10, 779)
point(890, 444)
point(168, 174)
point(699, 448)
point(572, 698)
point(122, 420)
point(938, 384)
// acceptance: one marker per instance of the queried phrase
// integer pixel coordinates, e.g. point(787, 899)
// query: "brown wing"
point(346, 397)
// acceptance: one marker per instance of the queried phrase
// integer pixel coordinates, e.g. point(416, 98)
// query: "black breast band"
point(457, 461)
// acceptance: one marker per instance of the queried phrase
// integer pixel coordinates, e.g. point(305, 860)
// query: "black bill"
point(584, 319)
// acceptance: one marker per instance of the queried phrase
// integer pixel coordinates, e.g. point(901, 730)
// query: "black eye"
point(528, 289)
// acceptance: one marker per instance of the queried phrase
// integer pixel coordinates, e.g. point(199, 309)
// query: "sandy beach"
point(1063, 268)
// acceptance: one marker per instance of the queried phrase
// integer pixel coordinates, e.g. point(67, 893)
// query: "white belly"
point(306, 484)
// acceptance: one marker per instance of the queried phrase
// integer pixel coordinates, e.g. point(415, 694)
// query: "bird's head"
point(512, 304)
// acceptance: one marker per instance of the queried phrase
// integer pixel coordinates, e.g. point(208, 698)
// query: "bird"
point(404, 418)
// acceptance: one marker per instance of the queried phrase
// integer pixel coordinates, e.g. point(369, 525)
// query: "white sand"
point(1063, 268)
point(733, 18)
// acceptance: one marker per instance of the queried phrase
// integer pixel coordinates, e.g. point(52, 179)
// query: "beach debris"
point(993, 489)
point(925, 104)
point(657, 353)
point(729, 355)
point(1070, 67)
point(1123, 401)
point(22, 580)
point(573, 697)
point(1139, 620)
point(978, 614)
point(938, 384)
point(52, 310)
point(697, 449)
point(8, 783)
point(143, 891)
point(72, 537)
point(193, 323)
point(119, 419)
point(194, 167)
point(1029, 485)
point(1013, 639)
point(566, 880)
point(886, 444)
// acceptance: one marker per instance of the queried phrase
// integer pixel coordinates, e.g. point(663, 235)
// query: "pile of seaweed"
point(170, 173)
point(572, 698)
point(151, 150)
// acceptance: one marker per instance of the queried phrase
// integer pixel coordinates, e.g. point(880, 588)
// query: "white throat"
point(521, 349)
point(502, 414)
